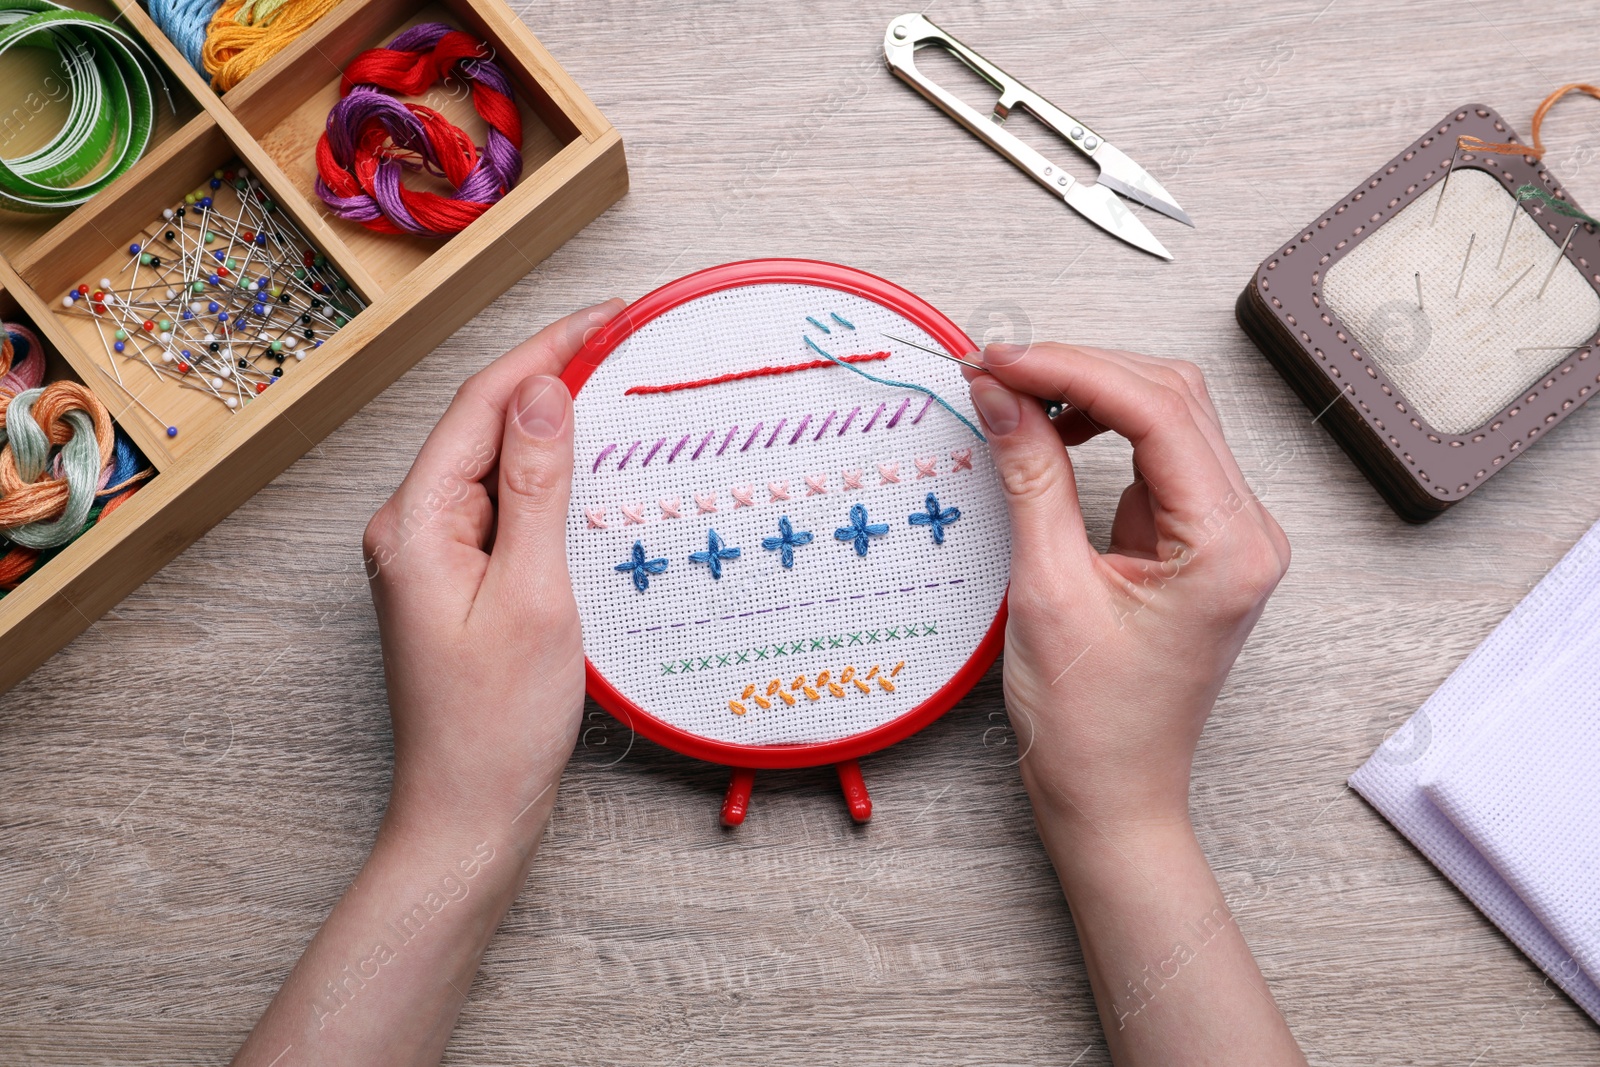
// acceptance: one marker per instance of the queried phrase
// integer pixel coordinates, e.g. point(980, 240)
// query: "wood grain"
point(188, 786)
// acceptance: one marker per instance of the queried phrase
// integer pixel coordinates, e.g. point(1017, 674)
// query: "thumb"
point(1047, 533)
point(528, 566)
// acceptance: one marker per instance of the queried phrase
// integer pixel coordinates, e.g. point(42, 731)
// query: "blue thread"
point(841, 320)
point(900, 385)
point(642, 568)
point(935, 518)
point(714, 554)
point(786, 541)
point(818, 325)
point(859, 530)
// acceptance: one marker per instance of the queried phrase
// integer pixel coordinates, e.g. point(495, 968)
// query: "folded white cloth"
point(1496, 779)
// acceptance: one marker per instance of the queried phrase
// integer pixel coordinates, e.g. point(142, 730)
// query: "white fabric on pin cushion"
point(666, 469)
point(1515, 660)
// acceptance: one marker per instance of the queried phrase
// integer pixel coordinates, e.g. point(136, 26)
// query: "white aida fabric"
point(1493, 779)
point(852, 641)
point(1461, 360)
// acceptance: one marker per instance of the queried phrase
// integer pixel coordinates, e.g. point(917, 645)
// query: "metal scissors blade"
point(1118, 173)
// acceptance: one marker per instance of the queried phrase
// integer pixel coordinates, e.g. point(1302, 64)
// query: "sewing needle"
point(1052, 407)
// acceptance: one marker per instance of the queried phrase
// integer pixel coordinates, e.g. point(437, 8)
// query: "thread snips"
point(1099, 203)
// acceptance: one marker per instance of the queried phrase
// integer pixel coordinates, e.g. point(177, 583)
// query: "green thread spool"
point(112, 112)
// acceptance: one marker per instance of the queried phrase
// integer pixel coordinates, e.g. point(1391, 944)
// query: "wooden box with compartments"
point(391, 296)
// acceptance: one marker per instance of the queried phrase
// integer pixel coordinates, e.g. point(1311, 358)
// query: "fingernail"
point(540, 407)
point(1003, 354)
point(997, 406)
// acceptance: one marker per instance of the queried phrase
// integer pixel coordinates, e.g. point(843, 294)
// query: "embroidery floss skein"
point(62, 463)
point(112, 112)
point(359, 176)
point(184, 22)
point(244, 34)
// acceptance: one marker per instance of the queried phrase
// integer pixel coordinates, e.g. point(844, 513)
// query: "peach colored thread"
point(852, 479)
point(926, 466)
point(597, 518)
point(779, 490)
point(963, 460)
point(889, 472)
point(1549, 102)
point(705, 503)
point(669, 508)
point(633, 516)
point(816, 484)
point(742, 497)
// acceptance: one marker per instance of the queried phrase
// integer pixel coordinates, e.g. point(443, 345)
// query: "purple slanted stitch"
point(870, 422)
point(604, 452)
point(923, 412)
point(776, 430)
point(847, 419)
point(652, 453)
point(800, 429)
point(825, 424)
point(896, 416)
point(703, 442)
point(629, 455)
point(751, 439)
point(724, 446)
point(679, 446)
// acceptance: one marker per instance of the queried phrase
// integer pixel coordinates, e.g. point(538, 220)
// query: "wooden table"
point(187, 788)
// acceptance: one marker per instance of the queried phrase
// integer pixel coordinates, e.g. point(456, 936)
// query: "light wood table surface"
point(187, 788)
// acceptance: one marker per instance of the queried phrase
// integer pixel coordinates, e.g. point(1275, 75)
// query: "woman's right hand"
point(1114, 659)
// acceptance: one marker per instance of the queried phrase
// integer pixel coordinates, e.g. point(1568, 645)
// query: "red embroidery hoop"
point(844, 752)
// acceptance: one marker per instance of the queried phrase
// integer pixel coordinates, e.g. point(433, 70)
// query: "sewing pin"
point(1516, 209)
point(1418, 276)
point(1445, 188)
point(1052, 407)
point(1464, 261)
point(1562, 251)
point(172, 431)
point(1513, 285)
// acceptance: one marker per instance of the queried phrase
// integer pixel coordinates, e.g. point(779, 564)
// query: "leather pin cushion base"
point(1418, 469)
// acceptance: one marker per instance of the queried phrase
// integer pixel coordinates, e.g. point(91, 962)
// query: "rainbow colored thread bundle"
point(63, 465)
point(372, 138)
point(228, 41)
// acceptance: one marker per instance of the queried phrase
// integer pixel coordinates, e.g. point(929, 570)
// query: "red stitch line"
point(758, 372)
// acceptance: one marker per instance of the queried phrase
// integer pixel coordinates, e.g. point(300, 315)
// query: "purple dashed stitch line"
point(804, 424)
point(806, 604)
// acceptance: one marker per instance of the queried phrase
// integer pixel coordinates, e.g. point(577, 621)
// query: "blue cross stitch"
point(786, 541)
point(714, 554)
point(858, 530)
point(936, 518)
point(642, 568)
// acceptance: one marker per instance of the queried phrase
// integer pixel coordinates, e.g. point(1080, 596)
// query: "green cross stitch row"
point(794, 648)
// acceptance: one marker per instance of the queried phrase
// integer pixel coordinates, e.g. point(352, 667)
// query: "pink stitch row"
point(772, 438)
point(744, 496)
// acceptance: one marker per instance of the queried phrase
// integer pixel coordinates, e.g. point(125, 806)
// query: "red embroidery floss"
point(371, 138)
